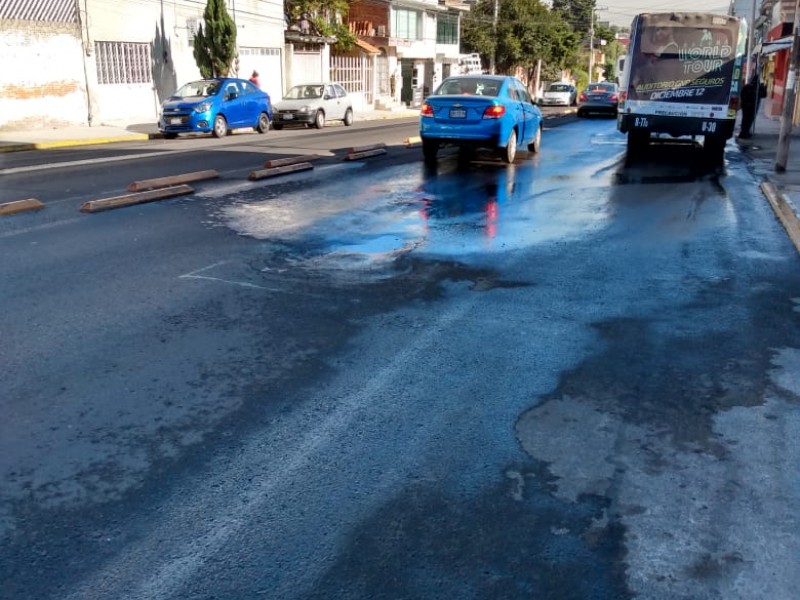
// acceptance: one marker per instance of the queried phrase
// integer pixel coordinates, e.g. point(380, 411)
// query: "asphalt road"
point(575, 377)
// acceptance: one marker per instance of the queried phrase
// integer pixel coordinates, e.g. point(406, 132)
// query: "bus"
point(681, 78)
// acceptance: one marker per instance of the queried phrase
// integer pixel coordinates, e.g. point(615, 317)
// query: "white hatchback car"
point(313, 104)
point(560, 94)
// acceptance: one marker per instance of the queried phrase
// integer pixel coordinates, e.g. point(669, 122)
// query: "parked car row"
point(466, 111)
point(220, 104)
point(602, 97)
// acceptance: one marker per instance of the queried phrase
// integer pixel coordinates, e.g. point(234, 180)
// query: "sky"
point(621, 12)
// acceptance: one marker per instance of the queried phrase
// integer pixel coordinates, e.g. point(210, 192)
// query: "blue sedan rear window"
point(472, 86)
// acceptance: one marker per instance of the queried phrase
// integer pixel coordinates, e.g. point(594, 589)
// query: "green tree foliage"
point(527, 31)
point(327, 19)
point(578, 13)
point(215, 45)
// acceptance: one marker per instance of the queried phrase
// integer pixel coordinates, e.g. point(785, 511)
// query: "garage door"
point(268, 63)
point(306, 67)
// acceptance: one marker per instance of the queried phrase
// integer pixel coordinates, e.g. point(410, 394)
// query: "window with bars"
point(253, 51)
point(123, 62)
point(407, 24)
point(447, 29)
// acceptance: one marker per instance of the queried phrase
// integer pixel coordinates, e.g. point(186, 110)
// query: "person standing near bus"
point(751, 93)
point(254, 79)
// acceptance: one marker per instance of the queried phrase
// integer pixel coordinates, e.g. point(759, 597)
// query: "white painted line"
point(88, 161)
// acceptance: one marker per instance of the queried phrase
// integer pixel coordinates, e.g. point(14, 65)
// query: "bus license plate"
point(458, 113)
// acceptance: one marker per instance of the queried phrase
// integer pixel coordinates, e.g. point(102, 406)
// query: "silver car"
point(560, 94)
point(313, 104)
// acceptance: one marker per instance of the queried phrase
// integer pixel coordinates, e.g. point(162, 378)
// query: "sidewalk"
point(63, 137)
point(782, 190)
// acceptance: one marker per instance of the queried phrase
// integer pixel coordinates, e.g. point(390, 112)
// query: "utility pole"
point(787, 115)
point(591, 41)
point(591, 46)
point(494, 36)
point(750, 43)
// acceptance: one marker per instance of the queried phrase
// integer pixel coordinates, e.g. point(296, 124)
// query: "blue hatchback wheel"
point(220, 127)
point(263, 123)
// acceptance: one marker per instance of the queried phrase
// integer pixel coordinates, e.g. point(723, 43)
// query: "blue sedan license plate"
point(458, 113)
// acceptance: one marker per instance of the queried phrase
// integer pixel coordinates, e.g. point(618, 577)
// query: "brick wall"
point(367, 14)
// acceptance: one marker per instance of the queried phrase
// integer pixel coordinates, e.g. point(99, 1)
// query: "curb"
point(784, 211)
point(18, 147)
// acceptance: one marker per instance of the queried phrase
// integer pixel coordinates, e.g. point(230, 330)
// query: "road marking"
point(88, 161)
point(194, 275)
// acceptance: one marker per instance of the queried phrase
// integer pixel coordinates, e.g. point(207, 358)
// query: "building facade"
point(418, 41)
point(110, 61)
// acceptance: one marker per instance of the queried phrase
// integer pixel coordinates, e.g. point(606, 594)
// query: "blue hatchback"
point(216, 105)
point(486, 111)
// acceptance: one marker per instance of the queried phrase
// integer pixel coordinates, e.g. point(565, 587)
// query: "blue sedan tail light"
point(495, 111)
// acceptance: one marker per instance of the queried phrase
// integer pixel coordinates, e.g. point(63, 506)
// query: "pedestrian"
point(254, 79)
point(751, 92)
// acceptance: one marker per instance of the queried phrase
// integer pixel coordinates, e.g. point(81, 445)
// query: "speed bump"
point(290, 160)
point(263, 173)
point(93, 206)
point(161, 182)
point(365, 151)
point(18, 206)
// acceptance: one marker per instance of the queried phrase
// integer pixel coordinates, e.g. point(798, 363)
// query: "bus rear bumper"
point(676, 126)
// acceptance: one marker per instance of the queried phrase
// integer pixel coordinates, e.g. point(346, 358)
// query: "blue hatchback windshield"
point(469, 86)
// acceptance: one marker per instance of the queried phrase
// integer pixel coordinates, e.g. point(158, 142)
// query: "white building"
point(110, 61)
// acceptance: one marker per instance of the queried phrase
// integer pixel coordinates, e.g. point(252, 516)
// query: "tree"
point(526, 31)
point(326, 17)
point(215, 46)
point(578, 13)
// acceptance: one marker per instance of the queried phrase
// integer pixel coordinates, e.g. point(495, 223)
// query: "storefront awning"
point(784, 43)
point(367, 46)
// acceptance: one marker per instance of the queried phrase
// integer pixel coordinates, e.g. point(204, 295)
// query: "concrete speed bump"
point(18, 206)
point(264, 173)
point(162, 182)
point(291, 160)
point(93, 206)
point(365, 151)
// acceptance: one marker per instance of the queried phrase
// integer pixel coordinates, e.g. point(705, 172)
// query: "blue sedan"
point(480, 111)
point(216, 105)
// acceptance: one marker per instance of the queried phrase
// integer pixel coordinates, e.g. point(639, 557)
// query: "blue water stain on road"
point(455, 213)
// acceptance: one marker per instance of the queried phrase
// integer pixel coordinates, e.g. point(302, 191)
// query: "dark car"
point(480, 111)
point(217, 106)
point(599, 98)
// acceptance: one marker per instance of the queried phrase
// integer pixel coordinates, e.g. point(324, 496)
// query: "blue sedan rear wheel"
point(430, 148)
point(536, 144)
point(509, 153)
